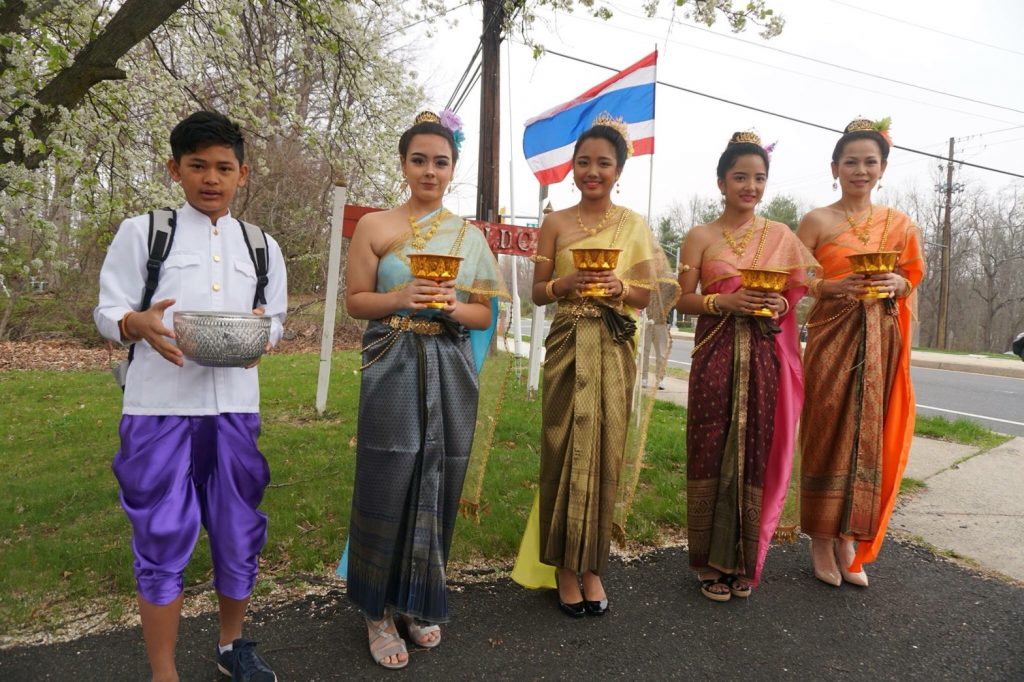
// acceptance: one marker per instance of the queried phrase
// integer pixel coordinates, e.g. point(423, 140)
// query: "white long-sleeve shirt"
point(208, 268)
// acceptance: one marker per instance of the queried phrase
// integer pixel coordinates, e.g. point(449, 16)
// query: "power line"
point(830, 64)
point(783, 116)
point(856, 71)
point(926, 28)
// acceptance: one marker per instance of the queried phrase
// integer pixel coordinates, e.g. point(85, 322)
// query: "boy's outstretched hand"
point(258, 311)
point(149, 326)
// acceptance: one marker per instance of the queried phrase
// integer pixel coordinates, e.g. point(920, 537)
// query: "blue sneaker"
point(243, 664)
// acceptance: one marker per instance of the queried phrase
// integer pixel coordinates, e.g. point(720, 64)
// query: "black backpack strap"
point(256, 241)
point(161, 236)
point(162, 224)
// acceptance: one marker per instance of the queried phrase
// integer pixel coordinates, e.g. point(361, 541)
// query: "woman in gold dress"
point(590, 366)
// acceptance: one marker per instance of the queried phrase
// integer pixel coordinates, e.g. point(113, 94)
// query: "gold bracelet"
point(786, 302)
point(715, 310)
point(910, 287)
point(624, 293)
point(549, 290)
point(124, 330)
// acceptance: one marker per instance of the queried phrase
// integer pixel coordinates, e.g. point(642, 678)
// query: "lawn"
point(65, 542)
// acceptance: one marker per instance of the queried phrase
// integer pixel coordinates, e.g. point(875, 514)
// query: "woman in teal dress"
point(418, 395)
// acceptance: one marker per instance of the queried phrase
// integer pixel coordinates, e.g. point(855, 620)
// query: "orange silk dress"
point(858, 415)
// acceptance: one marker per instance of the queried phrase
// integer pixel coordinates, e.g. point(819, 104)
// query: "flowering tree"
point(313, 84)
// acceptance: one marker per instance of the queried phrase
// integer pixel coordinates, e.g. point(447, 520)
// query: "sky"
point(964, 50)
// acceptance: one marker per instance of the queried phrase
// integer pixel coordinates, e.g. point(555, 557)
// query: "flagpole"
point(517, 319)
point(537, 321)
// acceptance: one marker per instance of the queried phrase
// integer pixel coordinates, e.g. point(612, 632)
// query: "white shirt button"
point(216, 286)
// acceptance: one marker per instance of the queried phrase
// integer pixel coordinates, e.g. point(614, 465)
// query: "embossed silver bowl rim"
point(221, 339)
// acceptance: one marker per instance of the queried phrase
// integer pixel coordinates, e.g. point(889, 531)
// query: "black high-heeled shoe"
point(576, 610)
point(595, 608)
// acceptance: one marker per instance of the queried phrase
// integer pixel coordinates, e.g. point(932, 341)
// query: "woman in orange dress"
point(858, 416)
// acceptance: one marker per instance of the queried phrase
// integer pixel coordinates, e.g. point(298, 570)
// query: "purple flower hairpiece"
point(769, 148)
point(451, 121)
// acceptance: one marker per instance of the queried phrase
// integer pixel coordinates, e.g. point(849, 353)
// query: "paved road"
point(923, 618)
point(994, 402)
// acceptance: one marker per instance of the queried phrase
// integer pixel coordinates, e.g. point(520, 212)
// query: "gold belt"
point(579, 308)
point(416, 325)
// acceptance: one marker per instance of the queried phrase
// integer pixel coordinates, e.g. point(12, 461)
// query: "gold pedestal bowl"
point(435, 266)
point(873, 263)
point(767, 280)
point(595, 260)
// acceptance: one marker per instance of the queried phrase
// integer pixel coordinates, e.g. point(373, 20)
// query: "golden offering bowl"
point(595, 259)
point(434, 266)
point(757, 279)
point(873, 263)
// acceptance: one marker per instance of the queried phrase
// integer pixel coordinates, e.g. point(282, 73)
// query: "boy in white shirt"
point(188, 453)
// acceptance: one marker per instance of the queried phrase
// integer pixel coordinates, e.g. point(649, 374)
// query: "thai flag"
point(550, 137)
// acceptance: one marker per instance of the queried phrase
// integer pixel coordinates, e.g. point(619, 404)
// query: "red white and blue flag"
point(550, 137)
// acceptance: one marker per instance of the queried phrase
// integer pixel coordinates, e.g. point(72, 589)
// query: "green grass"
point(912, 485)
point(985, 353)
point(65, 541)
point(959, 431)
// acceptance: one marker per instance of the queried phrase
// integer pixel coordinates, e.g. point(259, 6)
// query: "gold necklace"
point(419, 241)
point(739, 247)
point(863, 233)
point(591, 231)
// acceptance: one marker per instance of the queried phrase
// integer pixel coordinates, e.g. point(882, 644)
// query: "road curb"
point(992, 369)
point(947, 361)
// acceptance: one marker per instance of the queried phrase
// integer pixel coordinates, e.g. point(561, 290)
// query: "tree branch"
point(97, 62)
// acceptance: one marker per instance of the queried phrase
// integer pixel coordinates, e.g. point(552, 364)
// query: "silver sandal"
point(417, 631)
point(386, 644)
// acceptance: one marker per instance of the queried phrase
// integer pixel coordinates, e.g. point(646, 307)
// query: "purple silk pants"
point(178, 472)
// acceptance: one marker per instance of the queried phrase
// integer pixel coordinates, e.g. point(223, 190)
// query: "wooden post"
point(323, 379)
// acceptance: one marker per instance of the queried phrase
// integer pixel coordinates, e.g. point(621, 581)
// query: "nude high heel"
point(844, 549)
point(823, 559)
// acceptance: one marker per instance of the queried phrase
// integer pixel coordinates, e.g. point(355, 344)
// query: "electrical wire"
point(926, 28)
point(830, 64)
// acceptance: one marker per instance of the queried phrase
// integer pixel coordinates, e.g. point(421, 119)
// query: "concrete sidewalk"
point(972, 506)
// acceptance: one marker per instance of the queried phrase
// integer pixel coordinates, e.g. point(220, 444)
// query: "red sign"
point(513, 240)
point(509, 239)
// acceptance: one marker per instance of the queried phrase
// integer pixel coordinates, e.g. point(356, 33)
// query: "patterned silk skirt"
point(730, 424)
point(588, 384)
point(417, 412)
point(849, 367)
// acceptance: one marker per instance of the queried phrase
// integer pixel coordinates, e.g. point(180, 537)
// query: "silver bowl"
point(216, 339)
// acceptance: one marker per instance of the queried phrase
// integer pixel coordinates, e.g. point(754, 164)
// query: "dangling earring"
point(618, 190)
point(879, 185)
point(835, 184)
point(723, 200)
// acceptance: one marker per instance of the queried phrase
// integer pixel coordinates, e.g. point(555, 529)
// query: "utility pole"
point(942, 323)
point(490, 103)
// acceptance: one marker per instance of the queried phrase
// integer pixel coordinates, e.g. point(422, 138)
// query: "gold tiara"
point(859, 124)
point(606, 119)
point(747, 136)
point(427, 117)
point(881, 126)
